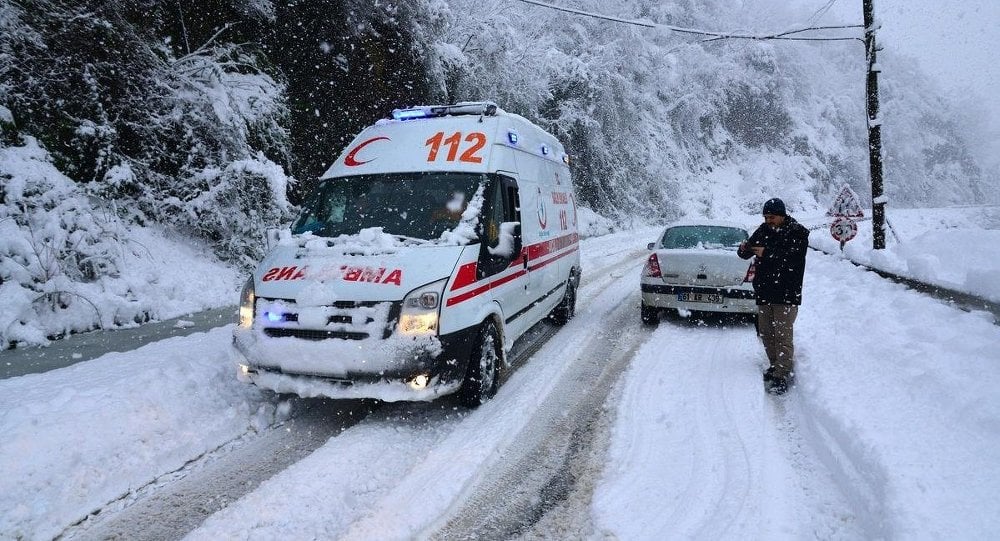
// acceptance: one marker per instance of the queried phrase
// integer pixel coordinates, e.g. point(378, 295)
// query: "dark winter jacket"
point(778, 278)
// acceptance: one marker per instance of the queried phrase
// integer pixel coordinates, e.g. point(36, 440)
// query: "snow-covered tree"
point(145, 117)
point(653, 117)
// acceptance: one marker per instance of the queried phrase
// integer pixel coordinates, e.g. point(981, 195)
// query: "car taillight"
point(652, 269)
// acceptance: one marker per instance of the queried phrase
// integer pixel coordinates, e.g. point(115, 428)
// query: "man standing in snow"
point(779, 245)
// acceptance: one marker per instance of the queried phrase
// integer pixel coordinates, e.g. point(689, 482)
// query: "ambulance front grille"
point(336, 318)
point(342, 318)
point(314, 335)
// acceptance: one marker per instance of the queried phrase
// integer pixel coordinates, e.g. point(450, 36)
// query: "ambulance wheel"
point(566, 309)
point(481, 377)
point(650, 314)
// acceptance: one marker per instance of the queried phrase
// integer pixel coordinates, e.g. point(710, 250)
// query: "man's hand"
point(757, 250)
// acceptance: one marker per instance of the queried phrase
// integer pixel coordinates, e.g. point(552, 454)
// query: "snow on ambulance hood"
point(369, 266)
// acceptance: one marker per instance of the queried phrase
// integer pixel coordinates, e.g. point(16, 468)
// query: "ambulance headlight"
point(419, 382)
point(421, 307)
point(247, 299)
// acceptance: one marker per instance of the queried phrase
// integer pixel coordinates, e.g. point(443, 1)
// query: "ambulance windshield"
point(414, 205)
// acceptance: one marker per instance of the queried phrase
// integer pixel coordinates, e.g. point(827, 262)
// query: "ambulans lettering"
point(371, 275)
point(394, 277)
point(351, 159)
point(477, 141)
point(284, 273)
point(348, 273)
point(560, 198)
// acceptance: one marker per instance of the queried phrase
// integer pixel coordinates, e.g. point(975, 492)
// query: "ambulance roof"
point(459, 137)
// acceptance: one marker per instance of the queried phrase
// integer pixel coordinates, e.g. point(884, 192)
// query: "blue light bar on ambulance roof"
point(484, 108)
point(409, 114)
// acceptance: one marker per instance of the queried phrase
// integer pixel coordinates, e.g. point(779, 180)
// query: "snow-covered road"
point(730, 461)
point(608, 430)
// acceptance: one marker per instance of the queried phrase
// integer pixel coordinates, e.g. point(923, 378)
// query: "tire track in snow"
point(709, 446)
point(714, 456)
point(550, 461)
point(424, 501)
point(818, 468)
point(179, 501)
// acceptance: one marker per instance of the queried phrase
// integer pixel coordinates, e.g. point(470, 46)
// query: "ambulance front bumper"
point(397, 368)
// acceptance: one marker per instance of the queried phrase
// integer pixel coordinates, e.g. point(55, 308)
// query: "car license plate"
point(700, 297)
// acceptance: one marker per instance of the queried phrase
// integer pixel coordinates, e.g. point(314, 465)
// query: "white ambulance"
point(436, 239)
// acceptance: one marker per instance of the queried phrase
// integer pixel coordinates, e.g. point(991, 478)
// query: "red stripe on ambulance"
point(465, 276)
point(466, 273)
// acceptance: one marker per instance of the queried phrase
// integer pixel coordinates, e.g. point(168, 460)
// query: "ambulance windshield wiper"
point(409, 240)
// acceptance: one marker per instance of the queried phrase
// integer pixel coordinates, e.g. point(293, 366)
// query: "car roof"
point(705, 221)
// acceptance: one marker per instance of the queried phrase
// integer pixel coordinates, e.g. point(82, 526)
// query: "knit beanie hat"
point(774, 207)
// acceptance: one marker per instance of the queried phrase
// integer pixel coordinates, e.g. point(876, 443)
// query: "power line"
point(787, 35)
point(820, 12)
point(589, 14)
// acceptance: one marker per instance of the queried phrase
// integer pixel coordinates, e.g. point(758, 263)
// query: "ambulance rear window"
point(416, 205)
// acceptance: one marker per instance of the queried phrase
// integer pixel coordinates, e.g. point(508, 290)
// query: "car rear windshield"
point(415, 205)
point(706, 236)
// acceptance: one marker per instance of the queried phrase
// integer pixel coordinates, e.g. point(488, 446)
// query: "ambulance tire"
point(566, 309)
point(482, 374)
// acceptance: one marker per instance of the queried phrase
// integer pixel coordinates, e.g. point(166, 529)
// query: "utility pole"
point(874, 129)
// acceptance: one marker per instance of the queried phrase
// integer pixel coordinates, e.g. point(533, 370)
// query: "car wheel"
point(566, 309)
point(650, 315)
point(481, 377)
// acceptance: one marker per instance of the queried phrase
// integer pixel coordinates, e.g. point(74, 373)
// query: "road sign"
point(846, 204)
point(843, 229)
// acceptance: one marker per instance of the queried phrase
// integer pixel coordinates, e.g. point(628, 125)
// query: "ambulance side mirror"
point(518, 243)
point(650, 245)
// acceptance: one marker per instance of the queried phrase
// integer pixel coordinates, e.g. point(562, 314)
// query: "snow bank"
point(88, 434)
point(956, 248)
point(70, 265)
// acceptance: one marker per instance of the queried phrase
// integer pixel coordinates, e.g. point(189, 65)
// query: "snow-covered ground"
point(893, 429)
point(69, 265)
point(957, 248)
point(895, 403)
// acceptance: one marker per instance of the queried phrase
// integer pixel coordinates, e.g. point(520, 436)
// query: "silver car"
point(694, 267)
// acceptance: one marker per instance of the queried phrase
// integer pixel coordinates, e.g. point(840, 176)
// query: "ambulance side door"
point(506, 271)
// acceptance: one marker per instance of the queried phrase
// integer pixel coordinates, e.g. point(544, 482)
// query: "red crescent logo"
point(543, 216)
point(351, 162)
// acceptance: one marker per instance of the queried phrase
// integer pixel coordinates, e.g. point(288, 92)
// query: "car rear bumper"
point(733, 299)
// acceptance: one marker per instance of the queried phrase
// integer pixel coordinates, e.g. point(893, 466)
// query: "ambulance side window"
point(495, 216)
point(502, 205)
point(512, 202)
